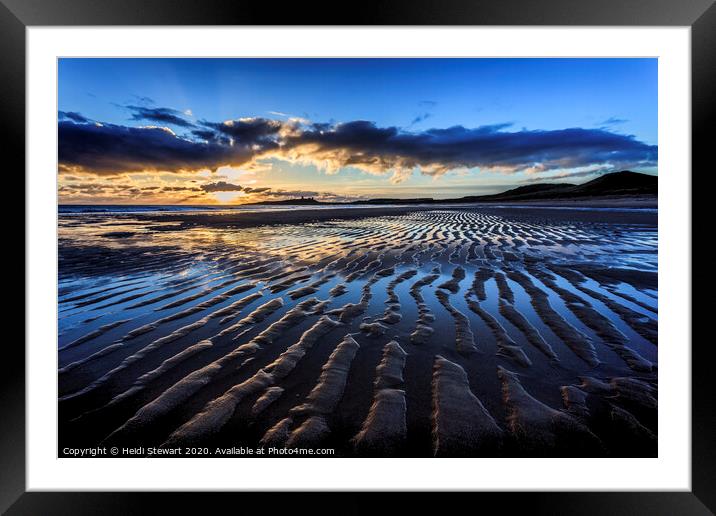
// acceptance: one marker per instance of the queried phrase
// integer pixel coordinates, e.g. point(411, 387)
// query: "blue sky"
point(613, 100)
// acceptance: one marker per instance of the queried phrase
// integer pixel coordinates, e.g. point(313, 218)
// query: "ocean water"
point(73, 209)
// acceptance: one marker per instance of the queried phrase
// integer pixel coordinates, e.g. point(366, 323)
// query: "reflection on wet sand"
point(443, 331)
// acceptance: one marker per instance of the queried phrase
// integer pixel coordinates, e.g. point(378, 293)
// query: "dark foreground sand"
point(300, 215)
point(381, 331)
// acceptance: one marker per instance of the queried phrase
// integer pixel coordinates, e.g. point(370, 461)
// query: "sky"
point(232, 131)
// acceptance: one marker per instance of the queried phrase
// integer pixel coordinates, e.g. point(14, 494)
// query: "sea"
point(86, 209)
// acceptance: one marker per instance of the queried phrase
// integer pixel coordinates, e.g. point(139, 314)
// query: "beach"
point(414, 331)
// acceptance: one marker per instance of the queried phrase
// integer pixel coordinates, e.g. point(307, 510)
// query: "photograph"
point(357, 257)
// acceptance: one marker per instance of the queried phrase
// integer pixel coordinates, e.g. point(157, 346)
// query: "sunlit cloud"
point(362, 145)
point(241, 175)
point(146, 188)
point(573, 174)
point(231, 157)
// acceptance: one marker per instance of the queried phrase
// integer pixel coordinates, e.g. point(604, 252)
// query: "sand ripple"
point(451, 332)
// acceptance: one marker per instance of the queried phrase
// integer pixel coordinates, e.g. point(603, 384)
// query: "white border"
point(670, 471)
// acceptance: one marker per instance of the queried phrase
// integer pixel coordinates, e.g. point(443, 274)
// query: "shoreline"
point(636, 210)
point(627, 202)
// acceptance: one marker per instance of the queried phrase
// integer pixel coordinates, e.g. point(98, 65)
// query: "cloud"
point(208, 135)
point(613, 121)
point(160, 114)
point(181, 189)
point(108, 148)
point(421, 118)
point(566, 175)
point(250, 190)
point(428, 104)
point(269, 193)
point(75, 117)
point(376, 150)
point(117, 192)
point(281, 194)
point(289, 193)
point(101, 190)
point(144, 100)
point(247, 129)
point(221, 186)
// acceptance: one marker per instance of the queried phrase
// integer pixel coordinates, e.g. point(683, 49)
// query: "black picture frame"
point(700, 15)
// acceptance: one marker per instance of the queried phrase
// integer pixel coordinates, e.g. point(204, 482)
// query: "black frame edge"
point(367, 12)
point(12, 372)
point(703, 112)
point(586, 504)
point(699, 14)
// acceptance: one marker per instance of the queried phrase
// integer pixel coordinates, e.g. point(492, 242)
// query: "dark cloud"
point(89, 188)
point(436, 151)
point(95, 189)
point(210, 136)
point(159, 114)
point(120, 191)
point(75, 117)
point(190, 197)
point(108, 148)
point(144, 100)
point(247, 129)
point(428, 105)
point(614, 121)
point(222, 186)
point(421, 118)
point(181, 189)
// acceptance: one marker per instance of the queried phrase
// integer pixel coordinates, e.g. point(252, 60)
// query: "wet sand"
point(378, 331)
point(641, 208)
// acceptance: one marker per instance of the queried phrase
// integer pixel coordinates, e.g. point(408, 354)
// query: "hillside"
point(616, 184)
point(623, 184)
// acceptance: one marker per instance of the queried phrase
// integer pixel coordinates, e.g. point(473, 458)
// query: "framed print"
point(431, 250)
